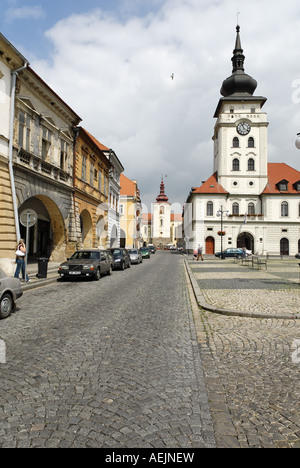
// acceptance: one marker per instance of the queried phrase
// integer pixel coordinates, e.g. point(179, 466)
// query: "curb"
point(204, 305)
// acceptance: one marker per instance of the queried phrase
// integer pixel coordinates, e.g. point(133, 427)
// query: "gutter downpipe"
point(10, 148)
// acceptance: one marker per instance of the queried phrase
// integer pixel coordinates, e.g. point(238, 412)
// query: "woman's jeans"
point(20, 267)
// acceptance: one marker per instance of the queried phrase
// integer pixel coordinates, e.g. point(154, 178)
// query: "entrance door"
point(284, 247)
point(245, 240)
point(210, 246)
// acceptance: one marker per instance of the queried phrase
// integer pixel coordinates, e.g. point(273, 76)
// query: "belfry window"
point(236, 142)
point(251, 165)
point(235, 165)
point(250, 142)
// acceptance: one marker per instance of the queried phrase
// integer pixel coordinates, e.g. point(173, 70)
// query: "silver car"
point(10, 291)
point(135, 256)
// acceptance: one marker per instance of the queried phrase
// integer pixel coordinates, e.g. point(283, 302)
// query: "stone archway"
point(48, 236)
point(86, 226)
point(245, 239)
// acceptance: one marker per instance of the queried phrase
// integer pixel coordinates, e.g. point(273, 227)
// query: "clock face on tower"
point(243, 128)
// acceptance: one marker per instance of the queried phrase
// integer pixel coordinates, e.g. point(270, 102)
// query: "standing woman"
point(20, 259)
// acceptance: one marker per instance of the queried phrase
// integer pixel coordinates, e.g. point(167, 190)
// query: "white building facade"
point(260, 201)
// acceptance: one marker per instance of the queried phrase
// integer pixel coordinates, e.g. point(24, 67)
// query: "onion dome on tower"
point(239, 82)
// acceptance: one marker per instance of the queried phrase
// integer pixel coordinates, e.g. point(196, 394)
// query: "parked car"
point(145, 252)
point(89, 263)
point(297, 255)
point(152, 248)
point(10, 291)
point(135, 256)
point(230, 253)
point(121, 258)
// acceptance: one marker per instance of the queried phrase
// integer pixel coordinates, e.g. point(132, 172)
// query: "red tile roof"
point(128, 187)
point(210, 186)
point(278, 172)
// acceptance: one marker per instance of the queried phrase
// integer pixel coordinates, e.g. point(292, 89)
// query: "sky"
point(112, 61)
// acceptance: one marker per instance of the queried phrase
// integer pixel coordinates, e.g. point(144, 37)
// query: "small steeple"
point(238, 57)
point(162, 197)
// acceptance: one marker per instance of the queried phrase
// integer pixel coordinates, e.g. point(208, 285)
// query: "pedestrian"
point(20, 260)
point(195, 254)
point(199, 253)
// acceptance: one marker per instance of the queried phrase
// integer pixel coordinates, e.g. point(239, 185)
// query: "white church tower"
point(240, 136)
point(161, 218)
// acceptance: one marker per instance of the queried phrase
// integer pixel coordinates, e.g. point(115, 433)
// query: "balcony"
point(39, 166)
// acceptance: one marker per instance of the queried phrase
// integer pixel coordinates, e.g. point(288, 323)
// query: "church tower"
point(161, 218)
point(240, 134)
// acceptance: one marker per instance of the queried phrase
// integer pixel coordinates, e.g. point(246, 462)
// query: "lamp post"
point(222, 212)
point(297, 143)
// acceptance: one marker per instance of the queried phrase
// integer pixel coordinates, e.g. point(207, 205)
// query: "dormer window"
point(297, 186)
point(283, 185)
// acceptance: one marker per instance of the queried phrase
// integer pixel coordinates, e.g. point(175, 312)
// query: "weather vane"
point(237, 18)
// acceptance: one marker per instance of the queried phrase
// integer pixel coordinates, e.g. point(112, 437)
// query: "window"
point(209, 209)
point(63, 155)
point(83, 168)
point(251, 165)
point(92, 168)
point(24, 131)
point(283, 185)
point(236, 142)
point(235, 165)
point(99, 181)
point(235, 209)
point(46, 142)
point(250, 142)
point(284, 209)
point(251, 209)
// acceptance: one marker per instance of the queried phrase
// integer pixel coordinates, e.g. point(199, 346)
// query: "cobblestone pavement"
point(112, 364)
point(227, 285)
point(251, 365)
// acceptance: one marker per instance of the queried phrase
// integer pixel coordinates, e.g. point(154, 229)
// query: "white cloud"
point(24, 12)
point(116, 76)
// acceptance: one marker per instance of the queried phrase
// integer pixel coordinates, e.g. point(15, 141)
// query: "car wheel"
point(6, 306)
point(110, 270)
point(97, 275)
point(129, 265)
point(122, 266)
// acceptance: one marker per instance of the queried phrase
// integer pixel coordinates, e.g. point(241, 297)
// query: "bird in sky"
point(172, 76)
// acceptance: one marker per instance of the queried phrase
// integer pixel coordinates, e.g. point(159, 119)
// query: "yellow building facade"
point(130, 213)
point(91, 187)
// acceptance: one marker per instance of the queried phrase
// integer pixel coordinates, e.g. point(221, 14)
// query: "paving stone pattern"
point(251, 365)
point(111, 364)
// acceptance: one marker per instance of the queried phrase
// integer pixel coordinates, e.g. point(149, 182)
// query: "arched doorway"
point(47, 237)
point(210, 245)
point(245, 239)
point(86, 225)
point(122, 239)
point(284, 246)
point(114, 241)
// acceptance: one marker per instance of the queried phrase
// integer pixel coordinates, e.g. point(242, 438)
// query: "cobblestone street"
point(251, 365)
point(107, 365)
point(113, 364)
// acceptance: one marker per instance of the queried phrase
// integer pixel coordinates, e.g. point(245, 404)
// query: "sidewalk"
point(32, 270)
point(224, 287)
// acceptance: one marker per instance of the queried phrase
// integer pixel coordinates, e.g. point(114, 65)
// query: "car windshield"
point(134, 251)
point(116, 251)
point(144, 248)
point(85, 256)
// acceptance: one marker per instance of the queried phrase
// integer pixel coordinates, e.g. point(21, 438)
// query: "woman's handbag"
point(19, 253)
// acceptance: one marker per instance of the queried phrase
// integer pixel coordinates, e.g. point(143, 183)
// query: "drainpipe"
point(10, 148)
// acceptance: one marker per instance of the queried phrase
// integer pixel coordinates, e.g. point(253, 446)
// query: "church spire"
point(162, 197)
point(239, 82)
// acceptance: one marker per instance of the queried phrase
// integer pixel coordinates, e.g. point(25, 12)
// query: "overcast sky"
point(112, 61)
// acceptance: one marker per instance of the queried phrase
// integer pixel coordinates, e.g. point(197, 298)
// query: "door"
point(284, 247)
point(210, 246)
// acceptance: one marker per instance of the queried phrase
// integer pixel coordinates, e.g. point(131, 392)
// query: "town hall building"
point(247, 201)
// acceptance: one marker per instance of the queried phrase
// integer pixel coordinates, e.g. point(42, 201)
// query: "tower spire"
point(162, 197)
point(239, 82)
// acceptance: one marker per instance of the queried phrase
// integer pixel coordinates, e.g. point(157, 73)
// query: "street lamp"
point(297, 142)
point(221, 212)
